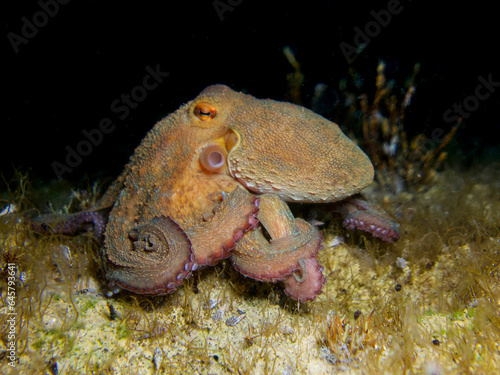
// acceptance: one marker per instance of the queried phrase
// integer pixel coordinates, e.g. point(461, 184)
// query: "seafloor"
point(428, 304)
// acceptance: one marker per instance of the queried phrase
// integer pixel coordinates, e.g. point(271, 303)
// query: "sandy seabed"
point(428, 304)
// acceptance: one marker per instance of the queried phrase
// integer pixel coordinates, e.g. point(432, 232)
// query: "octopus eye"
point(213, 158)
point(205, 111)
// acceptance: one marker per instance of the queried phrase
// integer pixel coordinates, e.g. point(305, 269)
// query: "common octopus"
point(211, 179)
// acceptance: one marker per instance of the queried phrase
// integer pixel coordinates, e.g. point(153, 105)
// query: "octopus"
point(212, 181)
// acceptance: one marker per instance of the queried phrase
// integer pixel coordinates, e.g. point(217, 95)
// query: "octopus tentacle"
point(274, 260)
point(308, 284)
point(368, 217)
point(301, 276)
point(294, 245)
point(215, 239)
point(72, 224)
point(161, 258)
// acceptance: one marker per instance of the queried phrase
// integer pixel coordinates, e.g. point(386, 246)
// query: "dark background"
point(91, 52)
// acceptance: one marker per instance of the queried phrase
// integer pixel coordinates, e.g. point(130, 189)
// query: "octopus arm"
point(216, 238)
point(369, 218)
point(290, 253)
point(157, 263)
point(72, 224)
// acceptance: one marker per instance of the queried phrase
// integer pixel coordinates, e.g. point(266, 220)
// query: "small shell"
point(287, 330)
point(213, 302)
point(157, 358)
point(155, 332)
point(66, 252)
point(335, 241)
point(218, 315)
point(401, 263)
point(232, 321)
point(9, 209)
point(23, 277)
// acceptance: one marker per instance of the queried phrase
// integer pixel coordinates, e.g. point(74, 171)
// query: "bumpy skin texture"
point(290, 255)
point(368, 217)
point(192, 190)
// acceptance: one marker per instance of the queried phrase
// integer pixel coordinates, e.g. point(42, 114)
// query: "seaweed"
point(426, 304)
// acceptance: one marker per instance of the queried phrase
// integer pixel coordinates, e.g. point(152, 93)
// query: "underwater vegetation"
point(428, 303)
point(399, 160)
point(380, 115)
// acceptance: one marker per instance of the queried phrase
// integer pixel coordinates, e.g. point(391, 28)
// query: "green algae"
point(442, 318)
point(449, 293)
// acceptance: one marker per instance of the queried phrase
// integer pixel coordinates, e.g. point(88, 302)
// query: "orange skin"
point(191, 192)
